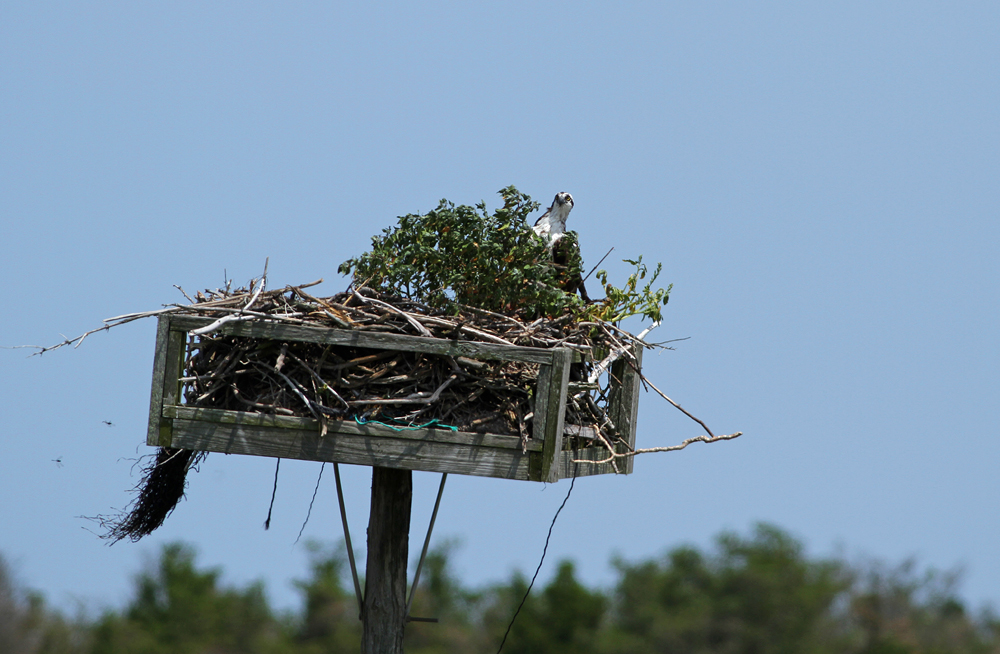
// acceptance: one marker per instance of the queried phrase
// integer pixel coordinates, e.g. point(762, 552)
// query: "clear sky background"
point(820, 181)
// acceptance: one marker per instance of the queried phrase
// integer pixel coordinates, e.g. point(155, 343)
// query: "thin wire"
point(427, 541)
point(544, 550)
point(267, 523)
point(309, 512)
point(347, 539)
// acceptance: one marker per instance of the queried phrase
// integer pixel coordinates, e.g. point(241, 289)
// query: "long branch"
point(678, 406)
point(670, 448)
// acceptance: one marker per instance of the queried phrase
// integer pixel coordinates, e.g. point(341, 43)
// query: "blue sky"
point(818, 179)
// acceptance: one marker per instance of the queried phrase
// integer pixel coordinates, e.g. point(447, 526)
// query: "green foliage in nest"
point(621, 303)
point(465, 254)
point(491, 261)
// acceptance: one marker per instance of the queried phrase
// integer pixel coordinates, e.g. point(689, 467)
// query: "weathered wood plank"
point(381, 450)
point(543, 387)
point(588, 432)
point(172, 368)
point(156, 390)
point(384, 612)
point(553, 411)
point(623, 404)
point(437, 450)
point(247, 420)
point(373, 340)
point(167, 364)
point(568, 469)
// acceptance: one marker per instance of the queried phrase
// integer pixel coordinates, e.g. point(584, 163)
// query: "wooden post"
point(623, 407)
point(550, 411)
point(384, 612)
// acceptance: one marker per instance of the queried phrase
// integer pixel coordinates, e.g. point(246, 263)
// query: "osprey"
point(551, 227)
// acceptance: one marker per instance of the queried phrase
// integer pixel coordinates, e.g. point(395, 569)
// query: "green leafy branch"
point(621, 303)
point(495, 262)
point(467, 255)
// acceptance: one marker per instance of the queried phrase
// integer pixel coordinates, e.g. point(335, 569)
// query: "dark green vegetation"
point(495, 262)
point(757, 594)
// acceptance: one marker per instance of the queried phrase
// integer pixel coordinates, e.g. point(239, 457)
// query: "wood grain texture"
point(373, 340)
point(370, 429)
point(623, 405)
point(384, 612)
point(156, 389)
point(381, 450)
point(550, 411)
point(435, 450)
point(167, 364)
point(568, 469)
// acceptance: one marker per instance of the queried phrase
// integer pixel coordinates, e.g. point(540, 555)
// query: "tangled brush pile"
point(454, 273)
point(400, 388)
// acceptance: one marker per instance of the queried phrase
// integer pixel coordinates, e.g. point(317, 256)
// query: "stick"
point(598, 263)
point(469, 330)
point(342, 320)
point(385, 305)
point(324, 385)
point(671, 448)
point(291, 384)
point(678, 406)
point(409, 400)
point(221, 321)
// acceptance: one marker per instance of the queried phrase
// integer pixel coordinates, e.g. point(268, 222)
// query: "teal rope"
point(435, 421)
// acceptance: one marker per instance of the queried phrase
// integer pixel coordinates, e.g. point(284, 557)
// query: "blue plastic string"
point(435, 421)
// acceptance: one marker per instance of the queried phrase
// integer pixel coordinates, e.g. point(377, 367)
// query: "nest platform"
point(186, 413)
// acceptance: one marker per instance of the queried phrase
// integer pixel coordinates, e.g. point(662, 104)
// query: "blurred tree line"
point(757, 594)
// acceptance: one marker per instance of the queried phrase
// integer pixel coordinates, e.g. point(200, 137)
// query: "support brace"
point(347, 540)
point(423, 553)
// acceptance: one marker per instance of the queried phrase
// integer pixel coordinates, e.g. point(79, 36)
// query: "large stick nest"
point(397, 388)
point(401, 389)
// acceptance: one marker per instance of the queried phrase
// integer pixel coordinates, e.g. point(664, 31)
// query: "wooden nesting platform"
point(174, 424)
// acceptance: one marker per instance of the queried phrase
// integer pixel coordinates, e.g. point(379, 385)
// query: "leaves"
point(622, 303)
point(465, 254)
point(757, 592)
point(495, 262)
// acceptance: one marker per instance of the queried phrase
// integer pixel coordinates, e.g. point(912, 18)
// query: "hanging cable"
point(274, 492)
point(544, 550)
point(311, 502)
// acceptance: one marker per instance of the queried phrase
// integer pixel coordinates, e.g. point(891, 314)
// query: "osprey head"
point(562, 199)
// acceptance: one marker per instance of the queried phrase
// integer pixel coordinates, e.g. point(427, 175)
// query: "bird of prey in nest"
point(551, 226)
